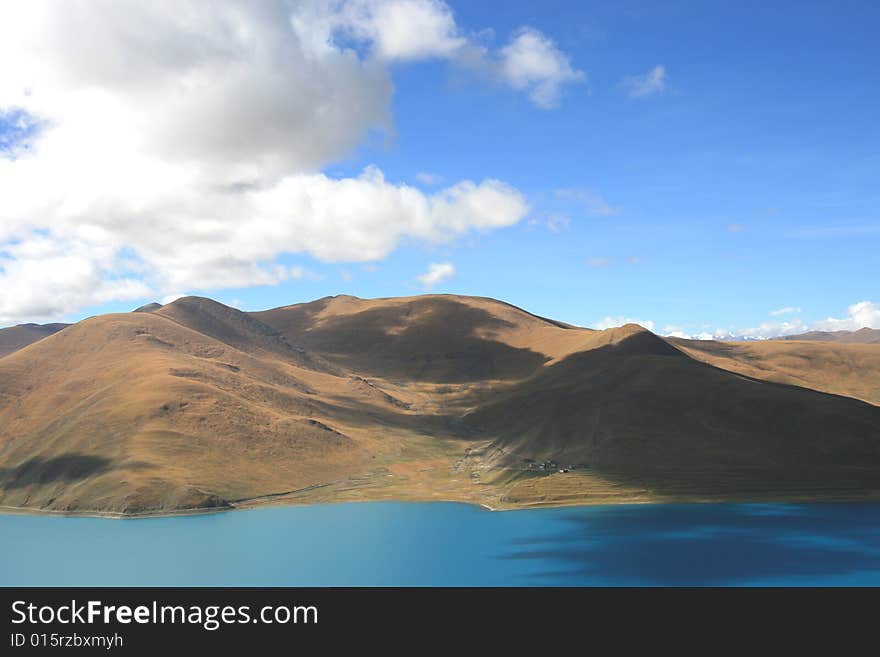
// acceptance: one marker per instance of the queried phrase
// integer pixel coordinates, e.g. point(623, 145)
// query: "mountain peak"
point(254, 405)
point(147, 308)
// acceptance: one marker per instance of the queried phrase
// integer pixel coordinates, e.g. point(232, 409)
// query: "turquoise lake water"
point(438, 544)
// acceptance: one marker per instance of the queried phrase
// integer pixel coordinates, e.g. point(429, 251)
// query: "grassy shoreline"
point(830, 497)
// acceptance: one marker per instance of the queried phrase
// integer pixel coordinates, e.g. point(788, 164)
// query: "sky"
point(703, 169)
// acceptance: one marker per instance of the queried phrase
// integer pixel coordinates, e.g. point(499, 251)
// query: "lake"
point(435, 544)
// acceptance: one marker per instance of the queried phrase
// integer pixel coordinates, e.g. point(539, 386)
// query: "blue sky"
point(745, 181)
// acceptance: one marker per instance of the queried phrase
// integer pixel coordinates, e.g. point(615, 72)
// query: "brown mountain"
point(148, 308)
point(852, 370)
point(862, 336)
point(640, 402)
point(18, 337)
point(196, 405)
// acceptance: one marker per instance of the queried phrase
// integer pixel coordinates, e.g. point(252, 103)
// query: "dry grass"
point(196, 405)
point(852, 370)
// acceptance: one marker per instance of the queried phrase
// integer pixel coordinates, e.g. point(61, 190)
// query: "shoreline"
point(840, 498)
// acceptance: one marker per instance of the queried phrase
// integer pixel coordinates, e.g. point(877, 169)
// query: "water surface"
point(437, 544)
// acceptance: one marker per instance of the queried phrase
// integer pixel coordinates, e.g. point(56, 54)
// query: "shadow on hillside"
point(707, 544)
point(435, 340)
point(642, 403)
point(65, 468)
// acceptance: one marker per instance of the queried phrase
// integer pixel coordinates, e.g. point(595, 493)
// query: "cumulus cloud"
point(859, 315)
point(40, 275)
point(679, 332)
point(765, 330)
point(400, 29)
point(437, 272)
point(611, 322)
point(169, 146)
point(648, 84)
point(864, 314)
point(532, 62)
point(171, 298)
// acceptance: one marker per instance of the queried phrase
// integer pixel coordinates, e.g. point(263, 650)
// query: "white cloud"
point(41, 276)
point(652, 82)
point(859, 315)
point(788, 310)
point(532, 62)
point(611, 322)
point(181, 147)
point(674, 331)
point(400, 29)
point(171, 298)
point(598, 262)
point(765, 330)
point(437, 272)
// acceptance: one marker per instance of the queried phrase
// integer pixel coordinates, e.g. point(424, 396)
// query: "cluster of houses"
point(549, 466)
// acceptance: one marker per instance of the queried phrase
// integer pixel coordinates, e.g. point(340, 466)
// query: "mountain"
point(433, 338)
point(848, 369)
point(862, 336)
point(638, 402)
point(228, 325)
point(148, 308)
point(18, 337)
point(137, 411)
point(195, 405)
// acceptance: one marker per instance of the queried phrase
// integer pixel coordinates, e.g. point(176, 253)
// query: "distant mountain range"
point(195, 405)
point(862, 336)
point(18, 337)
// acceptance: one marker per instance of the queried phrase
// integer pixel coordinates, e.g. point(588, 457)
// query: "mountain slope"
point(862, 336)
point(198, 405)
point(18, 337)
point(641, 403)
point(852, 370)
point(135, 411)
point(431, 338)
point(148, 308)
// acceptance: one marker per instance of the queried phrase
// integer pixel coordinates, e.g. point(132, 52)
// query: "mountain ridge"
point(18, 337)
point(864, 335)
point(197, 406)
